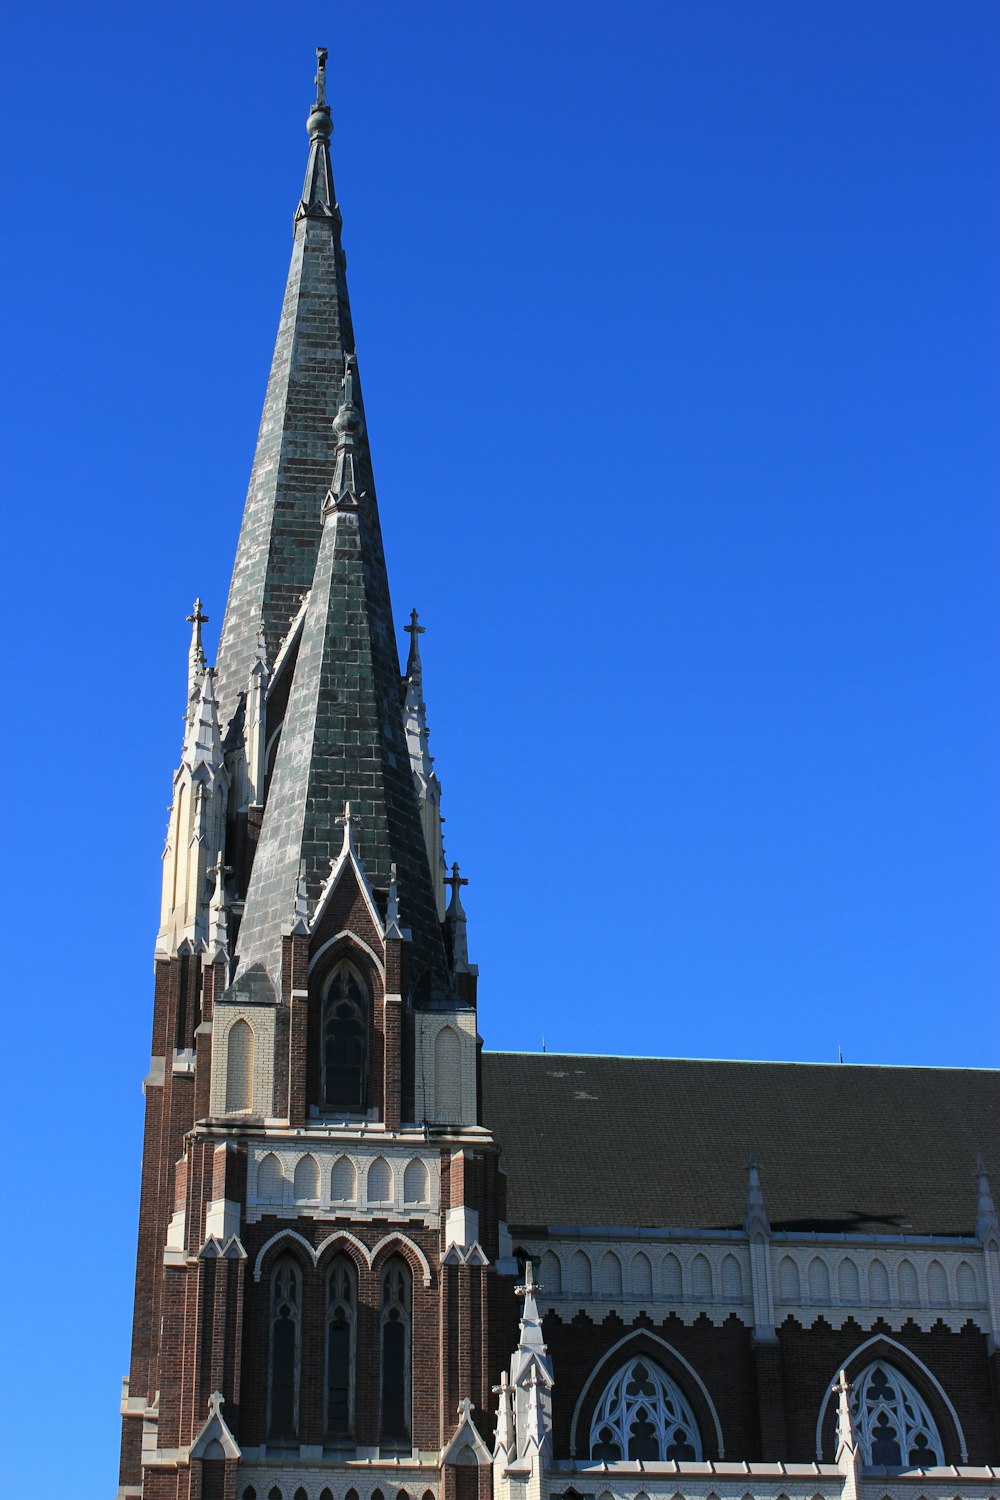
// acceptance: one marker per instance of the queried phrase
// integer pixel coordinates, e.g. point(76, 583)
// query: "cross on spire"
point(320, 79)
point(455, 880)
point(413, 628)
point(196, 655)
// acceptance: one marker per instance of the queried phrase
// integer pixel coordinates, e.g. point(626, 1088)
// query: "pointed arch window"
point(341, 1322)
point(397, 1289)
point(642, 1415)
point(344, 1041)
point(286, 1339)
point(895, 1429)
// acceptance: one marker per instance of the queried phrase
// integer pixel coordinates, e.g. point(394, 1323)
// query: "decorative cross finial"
point(529, 1287)
point(413, 628)
point(196, 653)
point(455, 880)
point(320, 79)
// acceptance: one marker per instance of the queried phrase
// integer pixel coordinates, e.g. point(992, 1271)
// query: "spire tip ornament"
point(319, 123)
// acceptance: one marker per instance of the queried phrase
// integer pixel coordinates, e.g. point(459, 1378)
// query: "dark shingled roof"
point(662, 1142)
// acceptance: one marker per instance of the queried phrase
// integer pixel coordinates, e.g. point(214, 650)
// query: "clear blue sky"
point(679, 328)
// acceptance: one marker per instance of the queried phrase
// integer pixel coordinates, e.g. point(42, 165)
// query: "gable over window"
point(642, 1415)
point(894, 1427)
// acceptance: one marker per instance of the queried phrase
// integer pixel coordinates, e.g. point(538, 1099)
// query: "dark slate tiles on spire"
point(296, 445)
point(342, 738)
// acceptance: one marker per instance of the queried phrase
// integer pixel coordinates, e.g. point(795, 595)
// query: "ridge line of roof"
point(753, 1062)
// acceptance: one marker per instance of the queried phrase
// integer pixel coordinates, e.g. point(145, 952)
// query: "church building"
point(378, 1262)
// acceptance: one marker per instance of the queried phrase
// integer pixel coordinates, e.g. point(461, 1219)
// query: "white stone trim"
point(351, 937)
point(364, 1476)
point(327, 1152)
point(608, 1365)
point(261, 1020)
point(721, 1480)
point(837, 1311)
point(427, 1087)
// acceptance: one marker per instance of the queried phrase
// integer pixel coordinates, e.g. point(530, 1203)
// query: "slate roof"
point(663, 1143)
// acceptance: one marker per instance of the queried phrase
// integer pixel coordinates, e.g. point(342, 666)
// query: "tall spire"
point(343, 737)
point(296, 443)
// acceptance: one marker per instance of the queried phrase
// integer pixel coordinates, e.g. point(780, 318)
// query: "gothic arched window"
point(894, 1427)
point(341, 1305)
point(286, 1333)
point(396, 1290)
point(344, 1041)
point(642, 1415)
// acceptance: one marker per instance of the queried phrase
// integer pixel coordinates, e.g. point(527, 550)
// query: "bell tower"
point(324, 1289)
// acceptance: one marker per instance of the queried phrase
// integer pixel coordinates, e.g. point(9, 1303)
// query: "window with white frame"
point(894, 1427)
point(642, 1415)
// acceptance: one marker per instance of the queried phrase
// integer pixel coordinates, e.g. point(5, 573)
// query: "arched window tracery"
point(344, 1041)
point(642, 1415)
point(341, 1322)
point(894, 1427)
point(286, 1338)
point(396, 1303)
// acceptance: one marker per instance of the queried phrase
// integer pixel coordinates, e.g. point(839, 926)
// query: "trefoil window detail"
point(286, 1338)
point(642, 1415)
point(344, 1041)
point(396, 1298)
point(341, 1313)
point(894, 1427)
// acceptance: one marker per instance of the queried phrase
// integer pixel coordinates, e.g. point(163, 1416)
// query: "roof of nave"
point(664, 1143)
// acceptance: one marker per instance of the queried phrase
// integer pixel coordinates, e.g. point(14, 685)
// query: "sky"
point(678, 326)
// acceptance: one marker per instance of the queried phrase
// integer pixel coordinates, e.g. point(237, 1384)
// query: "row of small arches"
point(326, 1493)
point(877, 1289)
point(610, 1278)
point(607, 1276)
point(379, 1181)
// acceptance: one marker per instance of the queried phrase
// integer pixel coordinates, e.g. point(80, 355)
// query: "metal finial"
point(320, 79)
